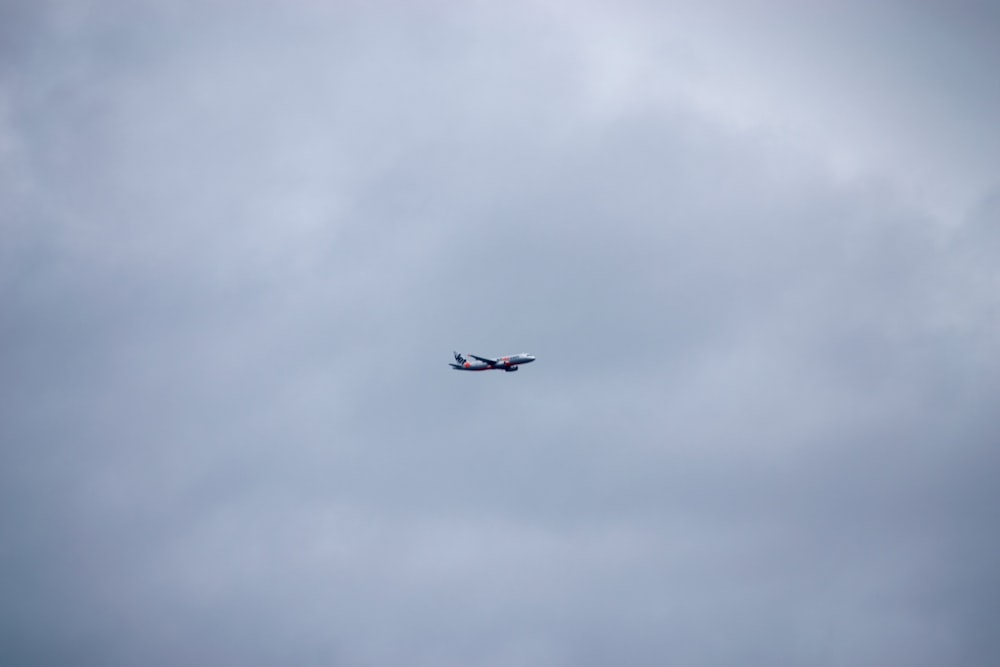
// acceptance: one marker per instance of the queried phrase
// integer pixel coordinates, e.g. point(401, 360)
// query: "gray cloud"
point(240, 244)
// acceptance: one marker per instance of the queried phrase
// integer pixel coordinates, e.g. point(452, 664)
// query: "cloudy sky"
point(754, 246)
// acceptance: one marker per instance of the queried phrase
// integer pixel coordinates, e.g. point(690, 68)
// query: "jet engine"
point(511, 369)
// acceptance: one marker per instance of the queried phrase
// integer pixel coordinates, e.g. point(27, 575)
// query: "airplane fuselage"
point(509, 363)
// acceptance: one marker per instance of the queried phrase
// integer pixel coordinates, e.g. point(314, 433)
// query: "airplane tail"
point(459, 358)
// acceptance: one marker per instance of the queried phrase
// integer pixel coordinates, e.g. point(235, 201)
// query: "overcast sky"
point(755, 247)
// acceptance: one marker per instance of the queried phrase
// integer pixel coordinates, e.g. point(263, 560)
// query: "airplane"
point(508, 364)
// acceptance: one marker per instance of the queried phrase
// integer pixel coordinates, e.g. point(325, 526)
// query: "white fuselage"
point(508, 363)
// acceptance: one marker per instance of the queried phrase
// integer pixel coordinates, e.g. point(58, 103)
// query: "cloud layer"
point(753, 250)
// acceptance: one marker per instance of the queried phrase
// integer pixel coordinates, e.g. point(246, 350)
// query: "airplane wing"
point(486, 360)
